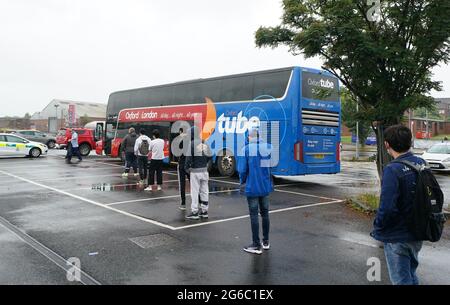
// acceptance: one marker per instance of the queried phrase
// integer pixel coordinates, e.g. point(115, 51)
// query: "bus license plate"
point(319, 157)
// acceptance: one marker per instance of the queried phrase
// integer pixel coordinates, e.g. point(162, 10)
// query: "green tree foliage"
point(84, 120)
point(350, 117)
point(431, 113)
point(386, 64)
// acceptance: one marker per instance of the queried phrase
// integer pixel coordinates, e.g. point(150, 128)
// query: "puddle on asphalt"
point(108, 187)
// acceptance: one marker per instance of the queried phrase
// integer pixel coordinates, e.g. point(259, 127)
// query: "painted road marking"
point(43, 173)
point(165, 197)
point(150, 221)
point(91, 201)
point(247, 216)
point(277, 190)
point(54, 257)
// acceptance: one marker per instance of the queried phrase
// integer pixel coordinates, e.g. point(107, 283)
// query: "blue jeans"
point(131, 162)
point(263, 204)
point(402, 261)
point(74, 151)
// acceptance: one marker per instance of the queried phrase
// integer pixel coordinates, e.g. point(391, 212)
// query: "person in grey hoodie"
point(196, 165)
point(141, 150)
point(128, 148)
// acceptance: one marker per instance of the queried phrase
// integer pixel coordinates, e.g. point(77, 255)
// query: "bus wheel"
point(226, 164)
point(85, 149)
point(210, 166)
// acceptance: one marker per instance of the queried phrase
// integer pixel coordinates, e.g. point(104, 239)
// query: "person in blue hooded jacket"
point(396, 202)
point(254, 164)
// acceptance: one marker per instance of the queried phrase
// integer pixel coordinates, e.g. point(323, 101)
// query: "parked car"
point(86, 140)
point(438, 157)
point(370, 140)
point(38, 136)
point(14, 145)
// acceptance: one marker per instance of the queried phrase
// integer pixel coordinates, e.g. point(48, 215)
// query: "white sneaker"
point(148, 189)
point(141, 182)
point(136, 174)
point(159, 187)
point(125, 175)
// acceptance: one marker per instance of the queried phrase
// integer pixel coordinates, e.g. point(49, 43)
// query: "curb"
point(361, 205)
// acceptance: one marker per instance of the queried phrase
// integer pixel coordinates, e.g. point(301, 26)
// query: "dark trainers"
point(193, 216)
point(266, 245)
point(253, 249)
point(204, 214)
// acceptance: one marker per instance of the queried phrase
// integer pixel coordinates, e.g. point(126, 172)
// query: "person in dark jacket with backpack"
point(196, 165)
point(254, 164)
point(141, 150)
point(391, 227)
point(182, 175)
point(128, 148)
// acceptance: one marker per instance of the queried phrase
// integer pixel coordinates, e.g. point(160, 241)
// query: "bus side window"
point(98, 132)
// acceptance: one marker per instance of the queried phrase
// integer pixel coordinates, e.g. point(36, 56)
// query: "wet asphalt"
point(51, 211)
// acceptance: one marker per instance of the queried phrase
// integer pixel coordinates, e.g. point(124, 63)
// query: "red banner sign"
point(72, 117)
point(168, 114)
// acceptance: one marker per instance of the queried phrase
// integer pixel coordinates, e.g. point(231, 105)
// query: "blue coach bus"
point(298, 109)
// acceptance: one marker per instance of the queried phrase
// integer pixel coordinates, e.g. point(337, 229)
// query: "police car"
point(13, 145)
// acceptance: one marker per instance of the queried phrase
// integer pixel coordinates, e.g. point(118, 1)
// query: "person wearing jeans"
point(261, 203)
point(254, 163)
point(402, 261)
point(156, 163)
point(74, 149)
point(182, 175)
point(128, 148)
point(141, 150)
point(391, 224)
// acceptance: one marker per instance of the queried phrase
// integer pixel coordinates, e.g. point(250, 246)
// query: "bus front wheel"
point(226, 164)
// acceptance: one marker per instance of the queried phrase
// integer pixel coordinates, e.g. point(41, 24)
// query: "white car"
point(438, 157)
point(13, 145)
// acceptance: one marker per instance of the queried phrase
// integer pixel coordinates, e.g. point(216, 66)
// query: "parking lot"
point(51, 211)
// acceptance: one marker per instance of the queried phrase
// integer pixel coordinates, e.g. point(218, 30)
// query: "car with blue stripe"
point(14, 145)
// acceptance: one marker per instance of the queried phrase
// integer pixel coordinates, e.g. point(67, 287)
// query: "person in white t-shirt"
point(156, 163)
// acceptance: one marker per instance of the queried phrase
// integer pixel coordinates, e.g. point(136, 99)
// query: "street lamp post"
point(56, 113)
point(357, 134)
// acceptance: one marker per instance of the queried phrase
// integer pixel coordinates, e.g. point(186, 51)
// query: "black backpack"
point(427, 218)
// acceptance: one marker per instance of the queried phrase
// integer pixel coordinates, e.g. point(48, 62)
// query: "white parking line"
point(77, 177)
point(54, 257)
point(56, 169)
point(164, 197)
point(150, 221)
point(247, 216)
point(91, 202)
point(25, 167)
point(281, 191)
point(306, 195)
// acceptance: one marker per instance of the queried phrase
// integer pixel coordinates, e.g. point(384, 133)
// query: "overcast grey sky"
point(85, 49)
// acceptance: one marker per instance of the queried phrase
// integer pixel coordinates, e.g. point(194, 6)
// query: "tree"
point(26, 120)
point(431, 113)
point(386, 64)
point(84, 120)
point(350, 116)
